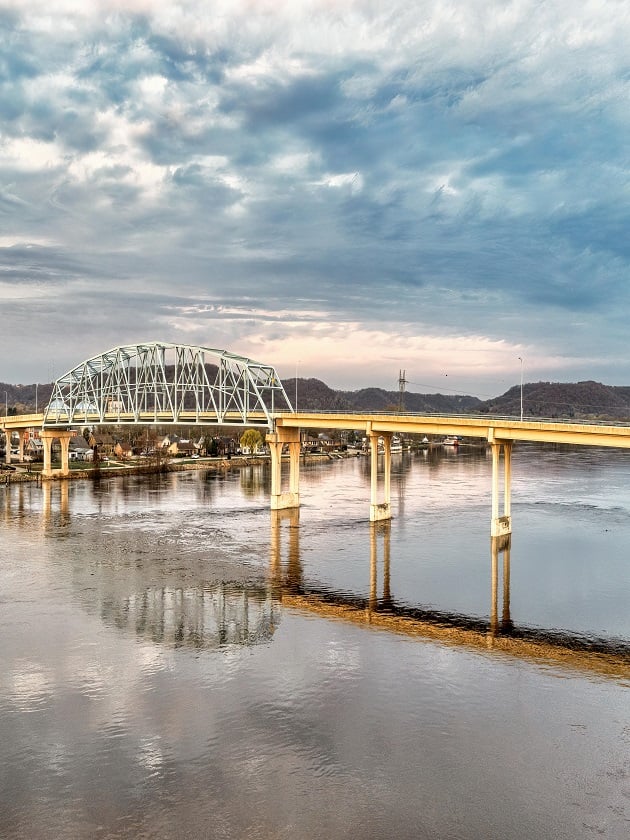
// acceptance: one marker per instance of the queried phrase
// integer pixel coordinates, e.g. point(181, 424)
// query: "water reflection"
point(216, 616)
point(153, 600)
point(287, 576)
point(500, 546)
point(146, 583)
point(604, 656)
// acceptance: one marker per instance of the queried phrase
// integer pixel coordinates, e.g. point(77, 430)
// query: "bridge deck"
point(490, 428)
point(487, 427)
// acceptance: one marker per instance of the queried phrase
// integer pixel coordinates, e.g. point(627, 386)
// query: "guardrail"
point(510, 418)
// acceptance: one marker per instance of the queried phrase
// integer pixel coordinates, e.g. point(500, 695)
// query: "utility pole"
point(401, 390)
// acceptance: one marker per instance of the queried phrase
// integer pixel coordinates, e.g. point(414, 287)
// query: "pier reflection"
point(154, 600)
point(286, 576)
point(215, 616)
point(164, 597)
point(500, 546)
point(497, 632)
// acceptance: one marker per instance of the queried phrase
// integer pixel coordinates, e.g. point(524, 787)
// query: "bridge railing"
point(510, 418)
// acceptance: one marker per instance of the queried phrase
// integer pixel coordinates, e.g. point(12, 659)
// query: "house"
point(185, 448)
point(175, 445)
point(79, 448)
point(169, 441)
point(34, 449)
point(103, 442)
point(123, 450)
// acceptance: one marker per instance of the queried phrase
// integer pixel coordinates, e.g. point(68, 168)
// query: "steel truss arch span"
point(164, 383)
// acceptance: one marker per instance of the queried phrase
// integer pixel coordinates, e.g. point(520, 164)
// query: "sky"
point(343, 190)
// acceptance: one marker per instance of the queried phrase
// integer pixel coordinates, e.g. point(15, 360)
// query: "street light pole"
point(521, 361)
point(36, 398)
point(296, 378)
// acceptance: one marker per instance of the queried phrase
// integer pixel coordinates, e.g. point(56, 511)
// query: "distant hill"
point(21, 398)
point(315, 395)
point(563, 400)
point(581, 400)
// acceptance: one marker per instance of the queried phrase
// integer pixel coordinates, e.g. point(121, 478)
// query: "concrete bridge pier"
point(23, 437)
point(280, 500)
point(380, 511)
point(47, 437)
point(501, 526)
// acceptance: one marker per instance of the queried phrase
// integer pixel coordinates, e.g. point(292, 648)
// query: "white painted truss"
point(167, 383)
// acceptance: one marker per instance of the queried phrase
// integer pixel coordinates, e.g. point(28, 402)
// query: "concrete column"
point(380, 511)
point(294, 468)
point(387, 457)
point(507, 489)
point(281, 500)
point(7, 451)
point(20, 433)
point(501, 525)
point(47, 438)
point(275, 450)
point(64, 440)
point(373, 472)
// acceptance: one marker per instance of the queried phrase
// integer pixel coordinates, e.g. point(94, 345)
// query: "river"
point(177, 662)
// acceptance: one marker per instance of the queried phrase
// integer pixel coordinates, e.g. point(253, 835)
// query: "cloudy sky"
point(344, 189)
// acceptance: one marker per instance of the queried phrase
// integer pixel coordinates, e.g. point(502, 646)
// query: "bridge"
point(161, 384)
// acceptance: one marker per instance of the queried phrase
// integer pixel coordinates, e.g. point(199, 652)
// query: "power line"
point(439, 389)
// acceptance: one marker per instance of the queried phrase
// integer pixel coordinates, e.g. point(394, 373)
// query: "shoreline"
point(215, 464)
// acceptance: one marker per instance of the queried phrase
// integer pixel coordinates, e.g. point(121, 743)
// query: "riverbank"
point(109, 469)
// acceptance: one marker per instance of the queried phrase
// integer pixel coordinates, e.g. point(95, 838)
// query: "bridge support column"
point(23, 436)
point(276, 440)
point(47, 436)
point(7, 451)
point(379, 511)
point(500, 526)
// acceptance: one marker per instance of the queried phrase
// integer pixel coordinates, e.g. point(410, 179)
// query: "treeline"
point(587, 400)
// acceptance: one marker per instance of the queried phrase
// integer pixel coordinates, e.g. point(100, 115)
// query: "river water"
point(177, 662)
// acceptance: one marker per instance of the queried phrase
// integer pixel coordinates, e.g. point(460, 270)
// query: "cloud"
point(459, 167)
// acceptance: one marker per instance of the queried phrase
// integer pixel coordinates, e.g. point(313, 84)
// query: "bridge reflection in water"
point(215, 614)
point(381, 610)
